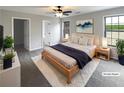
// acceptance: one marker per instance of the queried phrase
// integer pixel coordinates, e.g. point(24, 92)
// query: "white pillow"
point(74, 39)
point(70, 39)
point(83, 41)
point(90, 41)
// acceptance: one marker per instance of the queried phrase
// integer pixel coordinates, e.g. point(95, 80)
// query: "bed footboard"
point(69, 72)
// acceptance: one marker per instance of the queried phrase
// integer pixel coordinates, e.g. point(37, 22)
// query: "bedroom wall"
point(0, 17)
point(36, 26)
point(98, 18)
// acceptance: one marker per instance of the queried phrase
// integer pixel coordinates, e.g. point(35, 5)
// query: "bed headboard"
point(79, 35)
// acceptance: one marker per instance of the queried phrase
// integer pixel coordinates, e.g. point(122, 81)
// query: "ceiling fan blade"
point(54, 10)
point(67, 12)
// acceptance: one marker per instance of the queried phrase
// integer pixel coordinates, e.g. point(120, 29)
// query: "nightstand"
point(103, 53)
point(64, 40)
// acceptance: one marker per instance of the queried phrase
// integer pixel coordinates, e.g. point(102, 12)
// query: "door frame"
point(28, 19)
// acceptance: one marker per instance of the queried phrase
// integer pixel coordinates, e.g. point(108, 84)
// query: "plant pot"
point(13, 59)
point(8, 50)
point(7, 63)
point(121, 59)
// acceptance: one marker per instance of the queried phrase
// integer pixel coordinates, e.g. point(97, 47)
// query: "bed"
point(64, 63)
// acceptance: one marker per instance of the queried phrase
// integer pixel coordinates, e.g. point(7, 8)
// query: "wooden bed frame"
point(69, 72)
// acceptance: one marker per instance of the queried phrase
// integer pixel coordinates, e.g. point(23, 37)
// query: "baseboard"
point(35, 48)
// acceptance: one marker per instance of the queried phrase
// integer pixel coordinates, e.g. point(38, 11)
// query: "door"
point(47, 37)
point(26, 34)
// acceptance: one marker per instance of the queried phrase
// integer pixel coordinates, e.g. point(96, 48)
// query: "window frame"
point(105, 35)
point(64, 28)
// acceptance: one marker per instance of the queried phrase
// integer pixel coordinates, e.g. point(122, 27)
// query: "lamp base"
point(104, 47)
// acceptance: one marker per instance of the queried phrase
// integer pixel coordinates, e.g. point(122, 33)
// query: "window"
point(114, 29)
point(66, 29)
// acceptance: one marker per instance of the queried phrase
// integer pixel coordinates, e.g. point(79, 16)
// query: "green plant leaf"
point(8, 42)
point(120, 46)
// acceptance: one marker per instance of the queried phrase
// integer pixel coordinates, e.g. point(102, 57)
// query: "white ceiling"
point(48, 10)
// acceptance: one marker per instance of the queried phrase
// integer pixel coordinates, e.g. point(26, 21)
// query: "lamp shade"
point(104, 42)
point(66, 36)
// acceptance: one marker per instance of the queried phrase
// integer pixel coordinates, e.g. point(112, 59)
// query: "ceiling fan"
point(59, 12)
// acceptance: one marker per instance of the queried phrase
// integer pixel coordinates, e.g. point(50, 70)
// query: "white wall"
point(98, 18)
point(36, 26)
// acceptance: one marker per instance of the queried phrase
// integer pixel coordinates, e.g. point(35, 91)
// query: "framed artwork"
point(84, 26)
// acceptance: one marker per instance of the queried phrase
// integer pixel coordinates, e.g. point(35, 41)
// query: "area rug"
point(98, 80)
point(57, 79)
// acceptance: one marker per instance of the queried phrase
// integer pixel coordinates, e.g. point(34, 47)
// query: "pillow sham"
point(74, 39)
point(90, 41)
point(83, 41)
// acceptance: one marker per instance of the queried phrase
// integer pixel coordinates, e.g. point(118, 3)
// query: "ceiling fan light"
point(59, 14)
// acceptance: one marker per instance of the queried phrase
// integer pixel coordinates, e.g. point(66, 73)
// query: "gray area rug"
point(57, 79)
point(97, 80)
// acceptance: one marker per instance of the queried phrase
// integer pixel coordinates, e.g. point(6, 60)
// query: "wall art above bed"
point(85, 26)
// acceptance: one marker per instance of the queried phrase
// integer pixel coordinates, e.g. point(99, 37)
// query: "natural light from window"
point(114, 29)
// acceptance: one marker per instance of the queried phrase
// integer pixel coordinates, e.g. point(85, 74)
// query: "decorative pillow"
point(83, 41)
point(74, 39)
point(69, 40)
point(90, 41)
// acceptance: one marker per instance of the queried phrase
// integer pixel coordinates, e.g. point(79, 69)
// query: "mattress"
point(66, 60)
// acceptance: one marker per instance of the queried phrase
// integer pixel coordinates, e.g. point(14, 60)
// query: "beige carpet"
point(57, 79)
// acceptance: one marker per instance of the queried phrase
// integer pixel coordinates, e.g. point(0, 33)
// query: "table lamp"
point(104, 42)
point(66, 36)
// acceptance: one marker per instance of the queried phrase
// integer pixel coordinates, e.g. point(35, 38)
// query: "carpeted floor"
point(32, 77)
point(57, 79)
point(97, 80)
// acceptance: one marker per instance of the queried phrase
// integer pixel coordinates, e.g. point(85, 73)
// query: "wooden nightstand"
point(64, 40)
point(103, 53)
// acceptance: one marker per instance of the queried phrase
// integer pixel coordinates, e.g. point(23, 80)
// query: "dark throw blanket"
point(81, 57)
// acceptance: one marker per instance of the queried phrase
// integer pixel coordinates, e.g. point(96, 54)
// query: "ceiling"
point(48, 10)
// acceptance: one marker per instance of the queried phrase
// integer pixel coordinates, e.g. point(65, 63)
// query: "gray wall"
point(18, 32)
point(0, 17)
point(35, 27)
point(98, 18)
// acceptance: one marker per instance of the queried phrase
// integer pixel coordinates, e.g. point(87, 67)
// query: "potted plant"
point(7, 60)
point(120, 51)
point(8, 44)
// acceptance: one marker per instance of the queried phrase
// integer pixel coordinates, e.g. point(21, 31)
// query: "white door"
point(50, 33)
point(47, 35)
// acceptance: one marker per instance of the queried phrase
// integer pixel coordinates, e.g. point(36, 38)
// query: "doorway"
point(21, 33)
point(46, 33)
